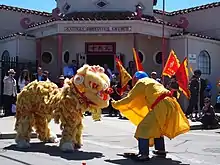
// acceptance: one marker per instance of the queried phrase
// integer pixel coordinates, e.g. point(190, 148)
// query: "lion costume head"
point(94, 84)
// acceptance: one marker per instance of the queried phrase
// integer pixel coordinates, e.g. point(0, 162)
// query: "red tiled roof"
point(189, 10)
point(195, 35)
point(27, 11)
point(92, 16)
point(15, 34)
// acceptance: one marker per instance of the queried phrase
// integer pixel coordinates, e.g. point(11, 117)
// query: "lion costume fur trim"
point(39, 102)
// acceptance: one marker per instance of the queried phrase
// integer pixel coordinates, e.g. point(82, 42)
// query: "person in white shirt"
point(23, 79)
point(10, 91)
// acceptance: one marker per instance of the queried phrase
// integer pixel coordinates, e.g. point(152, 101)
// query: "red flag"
point(137, 61)
point(172, 65)
point(182, 77)
point(124, 76)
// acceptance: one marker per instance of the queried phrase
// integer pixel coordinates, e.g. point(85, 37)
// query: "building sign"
point(98, 29)
point(192, 58)
point(100, 48)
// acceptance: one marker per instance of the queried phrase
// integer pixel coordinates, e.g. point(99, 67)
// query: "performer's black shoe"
point(141, 158)
point(162, 154)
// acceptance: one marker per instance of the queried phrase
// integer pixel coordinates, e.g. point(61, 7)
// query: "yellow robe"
point(165, 119)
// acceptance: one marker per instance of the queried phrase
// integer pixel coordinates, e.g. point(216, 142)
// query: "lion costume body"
point(40, 102)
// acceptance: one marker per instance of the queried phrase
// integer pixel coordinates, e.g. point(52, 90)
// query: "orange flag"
point(182, 76)
point(137, 61)
point(124, 75)
point(172, 65)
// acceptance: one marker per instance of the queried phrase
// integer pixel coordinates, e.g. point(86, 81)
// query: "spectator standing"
point(45, 76)
point(108, 71)
point(131, 69)
point(154, 76)
point(174, 86)
point(39, 75)
point(61, 81)
point(68, 71)
point(10, 91)
point(23, 79)
point(217, 105)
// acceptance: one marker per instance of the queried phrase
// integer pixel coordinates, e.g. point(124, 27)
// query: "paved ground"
point(104, 140)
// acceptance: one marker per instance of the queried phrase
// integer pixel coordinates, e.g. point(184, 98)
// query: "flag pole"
point(163, 40)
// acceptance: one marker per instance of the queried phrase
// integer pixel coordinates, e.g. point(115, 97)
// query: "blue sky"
point(48, 5)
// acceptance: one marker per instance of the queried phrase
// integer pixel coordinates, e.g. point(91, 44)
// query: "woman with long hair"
point(23, 79)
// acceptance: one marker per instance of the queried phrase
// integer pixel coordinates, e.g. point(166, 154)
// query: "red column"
point(59, 52)
point(38, 51)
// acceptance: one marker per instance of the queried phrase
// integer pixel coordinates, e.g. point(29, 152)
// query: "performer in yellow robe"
point(151, 107)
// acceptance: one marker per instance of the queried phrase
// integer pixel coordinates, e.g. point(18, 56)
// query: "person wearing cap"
point(154, 76)
point(45, 76)
point(151, 107)
point(61, 81)
point(10, 91)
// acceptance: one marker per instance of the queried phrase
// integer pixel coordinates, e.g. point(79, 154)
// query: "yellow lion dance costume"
point(39, 102)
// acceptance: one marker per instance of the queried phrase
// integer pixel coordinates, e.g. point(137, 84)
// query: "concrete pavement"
point(104, 140)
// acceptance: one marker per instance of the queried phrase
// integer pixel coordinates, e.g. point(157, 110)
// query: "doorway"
point(101, 60)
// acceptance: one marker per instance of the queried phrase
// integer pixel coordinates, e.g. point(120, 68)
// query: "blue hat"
point(140, 75)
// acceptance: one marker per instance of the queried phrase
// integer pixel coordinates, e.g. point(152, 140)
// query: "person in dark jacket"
point(39, 75)
point(197, 87)
point(208, 114)
point(173, 86)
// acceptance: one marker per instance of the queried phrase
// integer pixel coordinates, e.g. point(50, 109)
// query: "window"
point(66, 57)
point(204, 62)
point(101, 3)
point(47, 57)
point(158, 58)
point(66, 7)
point(5, 55)
point(141, 56)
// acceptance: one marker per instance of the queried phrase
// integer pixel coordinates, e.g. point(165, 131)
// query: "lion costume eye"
point(105, 86)
point(78, 79)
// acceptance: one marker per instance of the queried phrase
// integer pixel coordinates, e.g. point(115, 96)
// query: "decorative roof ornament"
point(139, 11)
point(101, 3)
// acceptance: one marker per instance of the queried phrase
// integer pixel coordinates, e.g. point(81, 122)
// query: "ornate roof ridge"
point(195, 35)
point(94, 16)
point(189, 10)
point(22, 10)
point(16, 34)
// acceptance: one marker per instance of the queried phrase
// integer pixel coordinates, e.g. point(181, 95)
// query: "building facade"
point(94, 31)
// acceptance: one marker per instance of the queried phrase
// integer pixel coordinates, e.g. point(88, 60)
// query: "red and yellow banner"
point(137, 61)
point(182, 76)
point(124, 75)
point(171, 65)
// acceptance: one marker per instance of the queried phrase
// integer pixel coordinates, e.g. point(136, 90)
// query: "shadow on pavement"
point(200, 127)
point(55, 151)
point(153, 161)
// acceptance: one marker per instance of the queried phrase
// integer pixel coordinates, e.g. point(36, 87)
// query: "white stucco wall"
point(10, 45)
point(113, 5)
point(27, 49)
point(23, 47)
point(184, 46)
point(202, 21)
point(11, 21)
point(195, 46)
